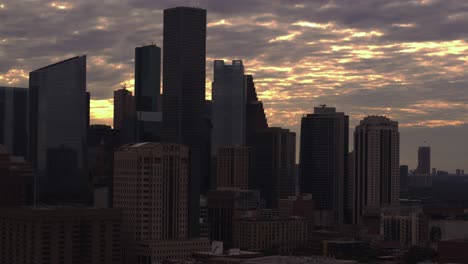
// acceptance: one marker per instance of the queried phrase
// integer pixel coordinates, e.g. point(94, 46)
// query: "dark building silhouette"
point(147, 93)
point(184, 95)
point(16, 180)
point(60, 235)
point(98, 134)
point(424, 161)
point(124, 107)
point(255, 114)
point(234, 165)
point(88, 109)
point(226, 205)
point(376, 166)
point(58, 117)
point(324, 162)
point(229, 105)
point(404, 171)
point(13, 120)
point(275, 155)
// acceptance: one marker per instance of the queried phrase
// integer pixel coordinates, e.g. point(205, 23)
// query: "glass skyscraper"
point(58, 125)
point(184, 96)
point(13, 120)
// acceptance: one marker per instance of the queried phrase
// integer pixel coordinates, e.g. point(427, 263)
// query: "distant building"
point(102, 134)
point(229, 105)
point(299, 206)
point(124, 114)
point(280, 236)
point(406, 225)
point(184, 66)
point(147, 93)
point(377, 165)
point(324, 162)
point(234, 166)
point(424, 160)
point(434, 171)
point(255, 113)
point(227, 205)
point(13, 120)
point(151, 188)
point(404, 178)
point(275, 156)
point(60, 235)
point(58, 117)
point(16, 180)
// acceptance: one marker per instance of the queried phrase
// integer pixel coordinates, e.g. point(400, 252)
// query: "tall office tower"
point(275, 156)
point(16, 180)
point(147, 93)
point(348, 211)
point(88, 109)
point(255, 114)
point(124, 108)
point(229, 105)
point(13, 120)
point(404, 171)
point(324, 162)
point(234, 165)
point(377, 165)
point(151, 187)
point(58, 128)
point(424, 161)
point(184, 95)
point(60, 235)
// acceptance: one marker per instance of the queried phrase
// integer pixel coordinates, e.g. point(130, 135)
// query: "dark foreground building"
point(13, 120)
point(184, 96)
point(56, 235)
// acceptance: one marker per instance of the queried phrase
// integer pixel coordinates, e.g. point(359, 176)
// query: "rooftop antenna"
point(124, 86)
point(323, 105)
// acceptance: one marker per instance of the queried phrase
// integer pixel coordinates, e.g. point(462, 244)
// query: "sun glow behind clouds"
point(61, 5)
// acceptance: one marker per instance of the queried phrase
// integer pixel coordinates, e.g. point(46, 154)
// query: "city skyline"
point(351, 60)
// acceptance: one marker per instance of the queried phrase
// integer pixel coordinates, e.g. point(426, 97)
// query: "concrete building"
point(280, 235)
point(424, 161)
point(406, 225)
point(323, 162)
point(151, 187)
point(13, 120)
point(227, 205)
point(16, 180)
point(60, 235)
point(234, 166)
point(275, 156)
point(184, 67)
point(58, 117)
point(147, 93)
point(377, 165)
point(229, 105)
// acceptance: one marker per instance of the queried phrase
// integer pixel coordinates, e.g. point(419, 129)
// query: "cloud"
point(406, 58)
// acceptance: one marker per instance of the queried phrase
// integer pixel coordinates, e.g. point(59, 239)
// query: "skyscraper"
point(377, 165)
point(255, 114)
point(124, 108)
point(151, 188)
point(324, 162)
point(13, 120)
point(16, 180)
point(275, 156)
point(404, 171)
point(229, 105)
point(424, 161)
point(184, 95)
point(234, 166)
point(58, 128)
point(147, 93)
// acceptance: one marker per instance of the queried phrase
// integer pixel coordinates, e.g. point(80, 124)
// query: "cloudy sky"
point(404, 59)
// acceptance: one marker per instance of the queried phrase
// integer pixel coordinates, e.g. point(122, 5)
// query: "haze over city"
point(403, 59)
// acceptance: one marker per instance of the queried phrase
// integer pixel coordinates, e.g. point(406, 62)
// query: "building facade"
point(16, 180)
point(13, 120)
point(234, 165)
point(229, 105)
point(255, 113)
point(58, 117)
point(60, 235)
point(324, 162)
point(377, 165)
point(151, 188)
point(184, 95)
point(405, 225)
point(424, 160)
point(147, 93)
point(275, 156)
